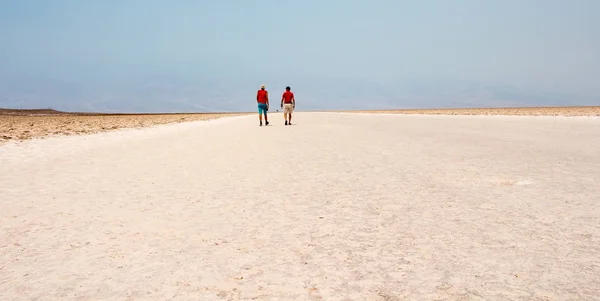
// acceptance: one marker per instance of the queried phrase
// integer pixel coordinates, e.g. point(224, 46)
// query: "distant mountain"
point(211, 95)
point(146, 98)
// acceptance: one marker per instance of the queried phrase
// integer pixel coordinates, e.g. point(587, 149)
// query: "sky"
point(150, 55)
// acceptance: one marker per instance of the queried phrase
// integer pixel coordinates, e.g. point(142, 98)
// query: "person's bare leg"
point(290, 118)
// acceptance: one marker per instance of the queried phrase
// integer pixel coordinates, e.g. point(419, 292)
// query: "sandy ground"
point(20, 125)
point(337, 206)
point(521, 111)
point(33, 124)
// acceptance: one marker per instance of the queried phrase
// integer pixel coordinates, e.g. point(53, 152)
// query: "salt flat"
point(338, 206)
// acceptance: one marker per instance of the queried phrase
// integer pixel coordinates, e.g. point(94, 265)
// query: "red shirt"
point(262, 96)
point(287, 96)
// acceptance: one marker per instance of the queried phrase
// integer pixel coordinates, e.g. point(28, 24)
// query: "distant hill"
point(212, 95)
point(51, 112)
point(31, 112)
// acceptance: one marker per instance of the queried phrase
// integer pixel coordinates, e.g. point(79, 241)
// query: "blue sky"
point(333, 53)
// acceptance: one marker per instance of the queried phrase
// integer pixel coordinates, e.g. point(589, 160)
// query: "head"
point(262, 86)
point(287, 88)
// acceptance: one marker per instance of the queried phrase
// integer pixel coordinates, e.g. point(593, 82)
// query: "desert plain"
point(338, 206)
point(19, 125)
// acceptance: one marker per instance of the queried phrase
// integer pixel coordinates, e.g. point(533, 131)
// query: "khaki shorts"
point(288, 108)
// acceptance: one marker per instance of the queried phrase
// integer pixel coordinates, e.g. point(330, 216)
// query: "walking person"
point(262, 98)
point(288, 104)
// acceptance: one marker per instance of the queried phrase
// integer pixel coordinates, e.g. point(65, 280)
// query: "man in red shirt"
point(288, 104)
point(262, 98)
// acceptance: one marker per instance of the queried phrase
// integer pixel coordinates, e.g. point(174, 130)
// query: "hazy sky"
point(553, 45)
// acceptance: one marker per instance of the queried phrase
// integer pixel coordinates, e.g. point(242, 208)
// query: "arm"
point(282, 100)
point(267, 95)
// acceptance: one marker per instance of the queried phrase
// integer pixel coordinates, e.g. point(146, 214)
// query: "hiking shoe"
point(260, 123)
point(266, 123)
point(286, 122)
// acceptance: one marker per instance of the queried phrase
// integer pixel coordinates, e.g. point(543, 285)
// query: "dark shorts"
point(262, 108)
